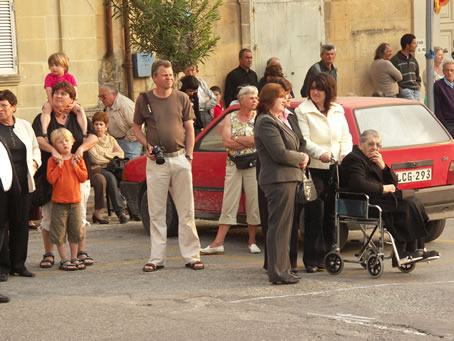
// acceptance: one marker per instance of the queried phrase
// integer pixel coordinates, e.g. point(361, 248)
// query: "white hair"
point(246, 90)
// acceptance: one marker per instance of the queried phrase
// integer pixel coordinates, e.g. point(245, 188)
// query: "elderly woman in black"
point(281, 164)
point(18, 135)
point(364, 171)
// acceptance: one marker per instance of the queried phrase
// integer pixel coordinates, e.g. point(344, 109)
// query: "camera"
point(159, 153)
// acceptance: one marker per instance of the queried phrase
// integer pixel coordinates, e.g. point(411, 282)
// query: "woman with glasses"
point(364, 171)
point(323, 125)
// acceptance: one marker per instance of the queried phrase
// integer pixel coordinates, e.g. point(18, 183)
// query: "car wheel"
point(435, 229)
point(171, 216)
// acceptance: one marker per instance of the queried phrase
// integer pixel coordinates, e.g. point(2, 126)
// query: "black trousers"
point(280, 198)
point(319, 232)
point(14, 209)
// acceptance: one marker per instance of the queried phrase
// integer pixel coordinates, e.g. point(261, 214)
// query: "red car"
point(415, 144)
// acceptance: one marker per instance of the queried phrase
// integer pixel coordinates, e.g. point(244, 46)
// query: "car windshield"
point(401, 125)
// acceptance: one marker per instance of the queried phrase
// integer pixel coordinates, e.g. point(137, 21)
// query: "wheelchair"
point(355, 209)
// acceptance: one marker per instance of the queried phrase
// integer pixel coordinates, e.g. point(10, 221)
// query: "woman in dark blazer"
point(281, 163)
point(289, 117)
point(364, 171)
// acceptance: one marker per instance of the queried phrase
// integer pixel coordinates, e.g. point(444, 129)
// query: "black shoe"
point(430, 253)
point(134, 217)
point(123, 219)
point(290, 280)
point(413, 254)
point(311, 269)
point(4, 299)
point(3, 277)
point(97, 220)
point(24, 273)
point(295, 275)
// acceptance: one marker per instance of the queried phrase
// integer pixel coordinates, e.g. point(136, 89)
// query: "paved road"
point(230, 300)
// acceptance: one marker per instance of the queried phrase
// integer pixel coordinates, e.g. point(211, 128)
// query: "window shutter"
point(8, 55)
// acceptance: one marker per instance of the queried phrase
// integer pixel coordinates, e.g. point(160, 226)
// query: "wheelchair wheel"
point(406, 268)
point(334, 263)
point(367, 254)
point(375, 265)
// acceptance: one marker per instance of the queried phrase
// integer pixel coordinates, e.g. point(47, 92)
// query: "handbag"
point(43, 190)
point(305, 190)
point(244, 161)
point(116, 166)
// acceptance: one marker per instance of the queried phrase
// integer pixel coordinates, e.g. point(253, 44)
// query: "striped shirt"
point(409, 68)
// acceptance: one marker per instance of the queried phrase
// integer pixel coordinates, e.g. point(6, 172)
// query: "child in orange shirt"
point(65, 178)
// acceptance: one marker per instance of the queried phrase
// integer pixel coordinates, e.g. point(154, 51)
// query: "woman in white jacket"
point(26, 158)
point(325, 129)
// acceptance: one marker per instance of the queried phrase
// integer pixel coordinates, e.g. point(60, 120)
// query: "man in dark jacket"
point(242, 75)
point(326, 64)
point(364, 171)
point(444, 96)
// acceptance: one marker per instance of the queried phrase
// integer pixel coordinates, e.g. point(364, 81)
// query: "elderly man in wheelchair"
point(364, 171)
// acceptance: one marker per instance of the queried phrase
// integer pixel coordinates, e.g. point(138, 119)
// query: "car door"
point(208, 170)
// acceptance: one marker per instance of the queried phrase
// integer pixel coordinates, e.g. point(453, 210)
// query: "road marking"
point(366, 321)
point(315, 293)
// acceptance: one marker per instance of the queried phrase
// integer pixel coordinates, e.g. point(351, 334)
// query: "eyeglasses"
point(374, 144)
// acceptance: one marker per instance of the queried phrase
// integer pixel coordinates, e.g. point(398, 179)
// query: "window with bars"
point(8, 51)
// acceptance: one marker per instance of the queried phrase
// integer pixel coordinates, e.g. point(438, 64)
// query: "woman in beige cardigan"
point(100, 155)
point(383, 73)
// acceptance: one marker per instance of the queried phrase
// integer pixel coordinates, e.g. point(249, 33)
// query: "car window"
point(401, 125)
point(212, 141)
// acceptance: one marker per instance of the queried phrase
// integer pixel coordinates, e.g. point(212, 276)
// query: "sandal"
point(87, 260)
point(197, 265)
point(151, 267)
point(47, 263)
point(78, 264)
point(66, 265)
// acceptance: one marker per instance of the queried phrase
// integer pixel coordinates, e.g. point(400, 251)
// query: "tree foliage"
point(180, 31)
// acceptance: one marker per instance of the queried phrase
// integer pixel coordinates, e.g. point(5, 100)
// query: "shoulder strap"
point(147, 102)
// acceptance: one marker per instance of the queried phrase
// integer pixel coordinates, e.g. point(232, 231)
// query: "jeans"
point(132, 149)
point(410, 94)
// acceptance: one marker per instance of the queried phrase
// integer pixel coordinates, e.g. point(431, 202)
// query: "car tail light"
point(451, 173)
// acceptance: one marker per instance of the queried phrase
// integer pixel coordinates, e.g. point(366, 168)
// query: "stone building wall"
point(357, 27)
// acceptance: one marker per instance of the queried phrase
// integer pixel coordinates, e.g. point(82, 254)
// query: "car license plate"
point(415, 175)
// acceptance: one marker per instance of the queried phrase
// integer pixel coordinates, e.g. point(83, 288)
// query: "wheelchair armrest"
point(352, 204)
point(352, 195)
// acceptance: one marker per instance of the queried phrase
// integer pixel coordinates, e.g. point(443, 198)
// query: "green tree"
point(180, 31)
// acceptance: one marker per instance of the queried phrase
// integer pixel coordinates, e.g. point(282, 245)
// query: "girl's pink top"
point(51, 79)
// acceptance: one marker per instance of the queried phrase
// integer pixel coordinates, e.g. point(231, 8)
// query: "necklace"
point(10, 128)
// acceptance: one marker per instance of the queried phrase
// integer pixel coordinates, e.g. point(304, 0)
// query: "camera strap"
point(152, 116)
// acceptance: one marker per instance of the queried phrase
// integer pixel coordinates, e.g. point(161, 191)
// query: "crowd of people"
point(62, 154)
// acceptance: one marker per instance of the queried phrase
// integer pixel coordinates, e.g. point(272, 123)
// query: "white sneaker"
point(212, 250)
point(253, 248)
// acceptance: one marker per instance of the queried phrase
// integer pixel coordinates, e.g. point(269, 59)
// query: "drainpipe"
point(430, 55)
point(60, 27)
point(108, 24)
point(245, 23)
point(128, 59)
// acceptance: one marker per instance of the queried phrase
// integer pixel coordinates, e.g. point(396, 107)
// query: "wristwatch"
point(189, 157)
